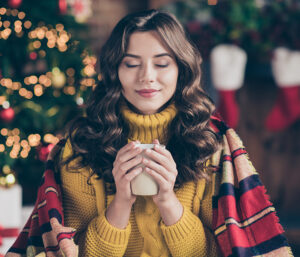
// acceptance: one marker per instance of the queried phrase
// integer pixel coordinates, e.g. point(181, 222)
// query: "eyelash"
point(158, 65)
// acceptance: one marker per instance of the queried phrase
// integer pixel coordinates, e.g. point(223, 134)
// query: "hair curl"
point(96, 138)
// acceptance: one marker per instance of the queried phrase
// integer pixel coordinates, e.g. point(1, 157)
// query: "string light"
point(2, 148)
point(4, 132)
point(51, 139)
point(21, 15)
point(212, 2)
point(34, 139)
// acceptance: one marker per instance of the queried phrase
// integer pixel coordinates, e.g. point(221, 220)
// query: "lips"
point(147, 92)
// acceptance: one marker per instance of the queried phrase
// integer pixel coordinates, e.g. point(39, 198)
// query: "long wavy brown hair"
point(97, 137)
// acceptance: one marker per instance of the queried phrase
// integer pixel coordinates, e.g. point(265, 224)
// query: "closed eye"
point(162, 65)
point(131, 65)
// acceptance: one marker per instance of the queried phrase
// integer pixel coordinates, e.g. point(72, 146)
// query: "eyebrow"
point(155, 56)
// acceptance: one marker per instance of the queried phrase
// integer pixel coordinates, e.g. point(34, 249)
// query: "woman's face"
point(148, 72)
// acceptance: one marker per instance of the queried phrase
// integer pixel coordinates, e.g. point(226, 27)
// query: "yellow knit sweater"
point(146, 234)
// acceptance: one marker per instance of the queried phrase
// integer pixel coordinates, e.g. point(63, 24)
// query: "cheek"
point(126, 77)
point(170, 78)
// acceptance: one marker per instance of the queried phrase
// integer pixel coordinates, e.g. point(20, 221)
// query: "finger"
point(167, 175)
point(130, 154)
point(133, 173)
point(127, 166)
point(127, 148)
point(155, 141)
point(157, 177)
point(166, 159)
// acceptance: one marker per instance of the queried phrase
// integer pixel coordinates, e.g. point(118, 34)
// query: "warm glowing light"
point(89, 70)
point(42, 53)
point(16, 85)
point(14, 12)
point(24, 154)
point(6, 24)
point(51, 44)
point(47, 82)
point(2, 11)
point(4, 132)
point(22, 92)
point(32, 34)
point(2, 99)
point(5, 33)
point(27, 24)
point(34, 139)
point(6, 169)
point(62, 48)
point(18, 29)
point(6, 82)
point(59, 27)
point(33, 79)
point(212, 2)
point(29, 95)
point(40, 33)
point(21, 15)
point(26, 81)
point(16, 132)
point(2, 148)
point(51, 139)
point(9, 141)
point(24, 143)
point(37, 44)
point(70, 72)
point(38, 90)
point(10, 179)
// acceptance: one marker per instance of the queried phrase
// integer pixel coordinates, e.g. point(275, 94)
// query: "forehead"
point(146, 43)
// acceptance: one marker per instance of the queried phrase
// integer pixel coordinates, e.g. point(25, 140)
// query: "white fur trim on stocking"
point(286, 67)
point(228, 64)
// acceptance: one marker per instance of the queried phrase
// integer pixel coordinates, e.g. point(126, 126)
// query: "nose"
point(146, 74)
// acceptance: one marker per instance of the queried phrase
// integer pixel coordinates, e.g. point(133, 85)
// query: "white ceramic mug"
point(144, 184)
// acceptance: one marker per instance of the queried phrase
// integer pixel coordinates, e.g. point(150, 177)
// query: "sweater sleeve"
point(187, 237)
point(102, 239)
point(95, 235)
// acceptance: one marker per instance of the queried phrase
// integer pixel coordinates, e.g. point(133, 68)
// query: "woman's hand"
point(123, 171)
point(162, 167)
point(118, 212)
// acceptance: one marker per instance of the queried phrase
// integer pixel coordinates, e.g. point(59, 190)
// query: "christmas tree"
point(46, 72)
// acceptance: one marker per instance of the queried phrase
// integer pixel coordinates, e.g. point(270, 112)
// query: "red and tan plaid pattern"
point(244, 220)
point(44, 230)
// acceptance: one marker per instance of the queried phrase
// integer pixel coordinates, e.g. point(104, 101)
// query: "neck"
point(146, 128)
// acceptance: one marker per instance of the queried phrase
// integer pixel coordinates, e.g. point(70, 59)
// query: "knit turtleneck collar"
point(146, 128)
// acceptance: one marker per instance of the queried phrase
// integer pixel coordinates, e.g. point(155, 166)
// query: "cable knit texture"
point(145, 234)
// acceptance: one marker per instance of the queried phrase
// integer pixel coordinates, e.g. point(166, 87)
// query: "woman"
point(150, 93)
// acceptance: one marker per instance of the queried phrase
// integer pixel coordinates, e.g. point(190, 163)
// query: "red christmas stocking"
point(228, 108)
point(285, 67)
point(228, 64)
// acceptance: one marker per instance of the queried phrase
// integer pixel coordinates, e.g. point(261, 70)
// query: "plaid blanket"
point(44, 234)
point(244, 220)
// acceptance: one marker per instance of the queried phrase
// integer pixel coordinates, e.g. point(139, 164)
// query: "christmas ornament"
point(7, 115)
point(14, 3)
point(228, 63)
point(43, 152)
point(80, 9)
point(285, 68)
point(58, 78)
point(33, 56)
point(63, 6)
